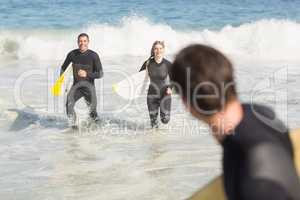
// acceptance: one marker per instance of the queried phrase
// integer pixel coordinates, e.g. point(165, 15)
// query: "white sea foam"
point(264, 39)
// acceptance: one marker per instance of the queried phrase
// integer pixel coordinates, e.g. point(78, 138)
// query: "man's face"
point(83, 43)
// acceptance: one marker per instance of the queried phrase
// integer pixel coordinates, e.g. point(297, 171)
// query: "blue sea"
point(47, 29)
point(180, 15)
point(42, 161)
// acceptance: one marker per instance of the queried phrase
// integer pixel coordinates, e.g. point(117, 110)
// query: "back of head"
point(203, 76)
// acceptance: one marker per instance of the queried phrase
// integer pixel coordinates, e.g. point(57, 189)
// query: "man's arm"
point(66, 63)
point(97, 68)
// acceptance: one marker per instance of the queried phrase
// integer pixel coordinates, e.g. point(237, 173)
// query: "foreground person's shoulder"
point(267, 115)
point(262, 109)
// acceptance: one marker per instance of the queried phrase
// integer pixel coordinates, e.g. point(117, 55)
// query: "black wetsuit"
point(157, 99)
point(258, 159)
point(83, 87)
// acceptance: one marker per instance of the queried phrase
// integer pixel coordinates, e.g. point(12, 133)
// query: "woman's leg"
point(153, 103)
point(165, 107)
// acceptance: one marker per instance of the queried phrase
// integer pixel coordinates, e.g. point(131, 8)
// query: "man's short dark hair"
point(204, 77)
point(83, 35)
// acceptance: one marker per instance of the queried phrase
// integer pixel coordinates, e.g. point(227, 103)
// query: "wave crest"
point(264, 39)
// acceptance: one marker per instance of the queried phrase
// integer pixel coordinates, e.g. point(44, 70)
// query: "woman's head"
point(203, 76)
point(158, 49)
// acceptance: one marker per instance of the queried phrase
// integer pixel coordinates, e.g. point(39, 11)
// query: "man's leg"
point(91, 100)
point(73, 96)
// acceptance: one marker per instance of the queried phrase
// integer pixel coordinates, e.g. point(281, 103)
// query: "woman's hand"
point(169, 91)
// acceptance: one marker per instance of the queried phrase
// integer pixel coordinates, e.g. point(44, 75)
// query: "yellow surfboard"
point(57, 86)
point(214, 190)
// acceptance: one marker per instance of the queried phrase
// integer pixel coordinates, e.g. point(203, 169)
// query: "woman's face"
point(159, 51)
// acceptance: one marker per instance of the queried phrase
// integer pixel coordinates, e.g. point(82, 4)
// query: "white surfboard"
point(133, 86)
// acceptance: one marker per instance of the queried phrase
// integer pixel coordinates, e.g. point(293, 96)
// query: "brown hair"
point(83, 35)
point(202, 71)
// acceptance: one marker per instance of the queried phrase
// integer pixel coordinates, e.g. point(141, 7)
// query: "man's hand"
point(82, 73)
point(169, 91)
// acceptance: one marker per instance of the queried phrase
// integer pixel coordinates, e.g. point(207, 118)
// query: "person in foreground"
point(159, 93)
point(257, 152)
point(87, 67)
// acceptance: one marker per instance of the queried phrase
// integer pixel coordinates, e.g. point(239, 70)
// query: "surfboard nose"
point(115, 87)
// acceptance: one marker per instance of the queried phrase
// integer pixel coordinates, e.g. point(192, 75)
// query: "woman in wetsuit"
point(159, 93)
point(257, 152)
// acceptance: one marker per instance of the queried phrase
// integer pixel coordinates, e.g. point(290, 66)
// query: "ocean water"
point(41, 161)
point(191, 14)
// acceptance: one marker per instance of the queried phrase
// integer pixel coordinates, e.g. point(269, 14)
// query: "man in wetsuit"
point(86, 68)
point(257, 152)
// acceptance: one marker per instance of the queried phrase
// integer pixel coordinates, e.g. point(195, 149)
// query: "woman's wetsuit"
point(157, 98)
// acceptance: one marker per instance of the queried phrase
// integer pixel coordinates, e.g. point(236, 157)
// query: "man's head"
point(83, 42)
point(203, 76)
